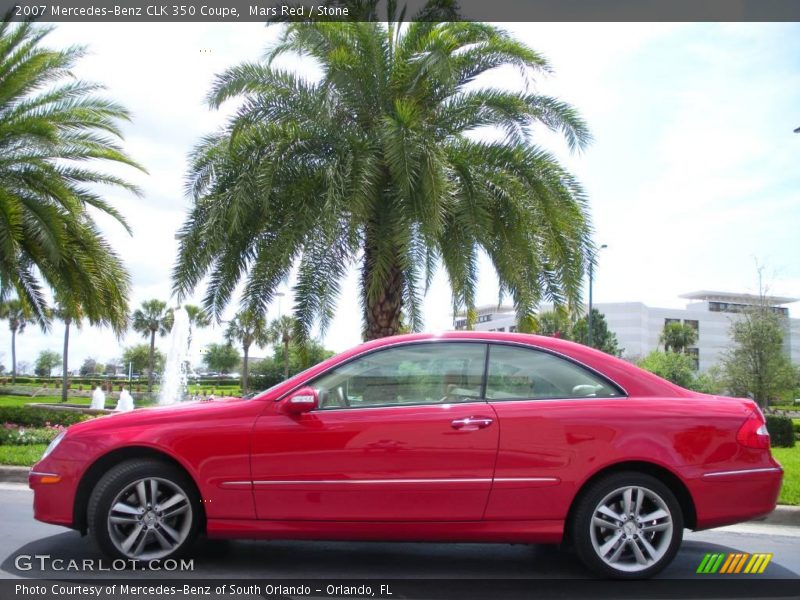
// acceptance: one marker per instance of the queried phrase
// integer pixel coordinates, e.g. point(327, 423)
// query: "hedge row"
point(39, 417)
point(781, 431)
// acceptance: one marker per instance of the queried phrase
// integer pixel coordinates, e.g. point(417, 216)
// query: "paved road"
point(21, 535)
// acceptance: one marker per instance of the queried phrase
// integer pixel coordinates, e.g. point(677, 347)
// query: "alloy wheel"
point(150, 518)
point(631, 529)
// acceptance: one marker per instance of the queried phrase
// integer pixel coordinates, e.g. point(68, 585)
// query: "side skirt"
point(528, 532)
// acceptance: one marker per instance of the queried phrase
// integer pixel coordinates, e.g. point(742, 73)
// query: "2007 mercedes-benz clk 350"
point(462, 436)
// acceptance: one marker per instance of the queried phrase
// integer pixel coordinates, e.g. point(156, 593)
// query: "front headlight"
point(56, 441)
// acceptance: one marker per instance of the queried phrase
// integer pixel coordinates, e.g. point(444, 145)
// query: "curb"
point(9, 474)
point(782, 515)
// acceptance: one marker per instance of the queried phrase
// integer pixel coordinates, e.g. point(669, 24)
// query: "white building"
point(638, 326)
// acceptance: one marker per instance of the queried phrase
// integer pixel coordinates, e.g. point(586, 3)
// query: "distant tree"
point(672, 366)
point(69, 313)
point(112, 368)
point(554, 323)
point(139, 359)
point(678, 337)
point(558, 324)
point(270, 371)
point(2, 368)
point(222, 358)
point(25, 368)
point(757, 365)
point(198, 319)
point(280, 331)
point(152, 318)
point(90, 367)
point(46, 362)
point(602, 337)
point(247, 328)
point(711, 381)
point(18, 316)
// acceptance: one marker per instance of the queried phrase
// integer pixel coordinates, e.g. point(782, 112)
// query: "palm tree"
point(54, 129)
point(69, 315)
point(247, 328)
point(152, 318)
point(198, 319)
point(280, 330)
point(376, 164)
point(18, 316)
point(677, 337)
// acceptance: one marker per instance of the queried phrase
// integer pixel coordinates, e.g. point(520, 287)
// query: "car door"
point(400, 434)
point(553, 417)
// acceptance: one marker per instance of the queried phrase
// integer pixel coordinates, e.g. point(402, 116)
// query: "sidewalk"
point(782, 515)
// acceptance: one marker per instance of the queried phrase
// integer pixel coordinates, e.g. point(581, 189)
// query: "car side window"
point(413, 374)
point(522, 373)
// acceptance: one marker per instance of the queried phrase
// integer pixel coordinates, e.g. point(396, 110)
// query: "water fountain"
point(173, 380)
point(125, 401)
point(98, 399)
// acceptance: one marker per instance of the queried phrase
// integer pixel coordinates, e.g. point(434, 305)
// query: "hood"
point(185, 412)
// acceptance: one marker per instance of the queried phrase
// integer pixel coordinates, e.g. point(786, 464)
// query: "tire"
point(144, 510)
point(628, 548)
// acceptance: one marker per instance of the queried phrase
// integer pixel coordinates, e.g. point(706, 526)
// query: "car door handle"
point(471, 423)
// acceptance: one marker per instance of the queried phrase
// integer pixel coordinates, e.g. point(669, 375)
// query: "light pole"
point(592, 256)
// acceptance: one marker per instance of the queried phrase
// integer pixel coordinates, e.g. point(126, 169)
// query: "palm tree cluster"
point(54, 130)
point(376, 164)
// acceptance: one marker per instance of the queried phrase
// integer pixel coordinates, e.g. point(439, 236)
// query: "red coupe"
point(464, 436)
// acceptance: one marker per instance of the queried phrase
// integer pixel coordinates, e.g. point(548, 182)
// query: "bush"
point(39, 417)
point(781, 431)
point(13, 435)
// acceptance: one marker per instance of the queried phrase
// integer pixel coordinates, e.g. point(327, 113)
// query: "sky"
point(692, 177)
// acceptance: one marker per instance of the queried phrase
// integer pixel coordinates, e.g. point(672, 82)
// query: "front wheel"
point(627, 526)
point(144, 510)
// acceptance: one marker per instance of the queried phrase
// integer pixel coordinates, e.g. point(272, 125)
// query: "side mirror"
point(302, 401)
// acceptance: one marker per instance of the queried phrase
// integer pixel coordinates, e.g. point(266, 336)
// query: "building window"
point(512, 329)
point(484, 318)
point(694, 324)
point(501, 329)
point(668, 321)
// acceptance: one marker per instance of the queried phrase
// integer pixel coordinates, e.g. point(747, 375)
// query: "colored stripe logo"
point(735, 562)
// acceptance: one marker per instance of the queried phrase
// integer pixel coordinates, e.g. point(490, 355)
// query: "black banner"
point(343, 10)
point(395, 589)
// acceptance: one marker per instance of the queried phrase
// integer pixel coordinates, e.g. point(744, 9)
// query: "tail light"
point(753, 432)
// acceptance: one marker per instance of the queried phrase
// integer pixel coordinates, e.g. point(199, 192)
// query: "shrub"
point(14, 435)
point(39, 417)
point(781, 431)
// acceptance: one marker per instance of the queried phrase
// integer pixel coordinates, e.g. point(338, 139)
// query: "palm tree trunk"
point(246, 349)
point(64, 382)
point(382, 314)
point(285, 357)
point(152, 357)
point(13, 356)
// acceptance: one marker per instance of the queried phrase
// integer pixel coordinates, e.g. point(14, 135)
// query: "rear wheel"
point(628, 526)
point(144, 510)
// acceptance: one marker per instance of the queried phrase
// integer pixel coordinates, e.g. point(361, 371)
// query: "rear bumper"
point(732, 496)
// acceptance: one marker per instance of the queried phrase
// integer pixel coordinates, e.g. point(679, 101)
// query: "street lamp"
point(592, 256)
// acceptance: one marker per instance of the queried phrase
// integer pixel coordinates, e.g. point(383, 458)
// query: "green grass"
point(23, 400)
point(790, 459)
point(21, 456)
